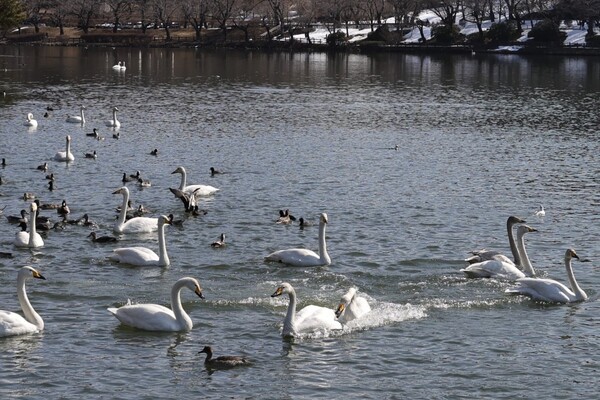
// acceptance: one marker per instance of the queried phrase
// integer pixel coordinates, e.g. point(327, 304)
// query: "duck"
point(136, 224)
point(154, 152)
point(155, 317)
point(31, 239)
point(28, 196)
point(17, 219)
point(11, 323)
point(86, 221)
point(198, 190)
point(144, 182)
point(93, 155)
point(114, 122)
point(51, 185)
point(93, 134)
point(308, 319)
point(141, 256)
point(30, 121)
point(175, 222)
point(302, 223)
point(188, 199)
point(214, 171)
point(63, 209)
point(302, 257)
point(222, 361)
point(116, 135)
point(42, 167)
point(125, 178)
point(66, 155)
point(351, 307)
point(74, 119)
point(549, 290)
point(285, 217)
point(136, 176)
point(50, 177)
point(220, 242)
point(102, 239)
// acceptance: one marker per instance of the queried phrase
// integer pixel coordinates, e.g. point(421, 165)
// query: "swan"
point(483, 255)
point(199, 190)
point(142, 256)
point(77, 119)
point(351, 307)
point(154, 317)
point(222, 361)
point(22, 237)
point(549, 289)
point(31, 239)
point(133, 225)
point(123, 67)
point(14, 324)
point(541, 212)
point(65, 155)
point(498, 268)
point(309, 319)
point(30, 121)
point(114, 123)
point(117, 66)
point(304, 257)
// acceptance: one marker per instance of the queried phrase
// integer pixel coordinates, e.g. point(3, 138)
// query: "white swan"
point(30, 239)
point(541, 212)
point(30, 121)
point(351, 307)
point(154, 317)
point(498, 268)
point(483, 255)
point(136, 224)
point(14, 324)
point(114, 122)
point(309, 319)
point(117, 66)
point(142, 256)
point(123, 67)
point(65, 155)
point(549, 289)
point(74, 119)
point(198, 190)
point(304, 257)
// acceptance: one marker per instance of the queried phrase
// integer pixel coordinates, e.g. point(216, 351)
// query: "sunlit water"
point(479, 139)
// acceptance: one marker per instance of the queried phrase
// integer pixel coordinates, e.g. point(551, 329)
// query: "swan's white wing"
point(134, 256)
point(149, 317)
point(493, 269)
point(312, 318)
point(22, 239)
point(542, 289)
point(37, 240)
point(200, 190)
point(295, 257)
point(14, 324)
point(359, 307)
point(140, 224)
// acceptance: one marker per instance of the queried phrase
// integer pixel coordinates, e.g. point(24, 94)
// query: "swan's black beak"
point(198, 291)
point(38, 275)
point(339, 310)
point(278, 292)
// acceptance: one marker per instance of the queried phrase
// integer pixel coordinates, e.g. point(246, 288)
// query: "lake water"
point(479, 138)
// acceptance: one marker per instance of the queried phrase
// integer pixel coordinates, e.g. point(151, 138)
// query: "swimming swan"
point(309, 319)
point(133, 225)
point(74, 119)
point(483, 255)
point(351, 307)
point(117, 66)
point(114, 122)
point(222, 361)
point(141, 256)
point(14, 324)
point(304, 257)
point(549, 289)
point(31, 239)
point(154, 317)
point(65, 155)
point(497, 268)
point(541, 212)
point(30, 121)
point(198, 190)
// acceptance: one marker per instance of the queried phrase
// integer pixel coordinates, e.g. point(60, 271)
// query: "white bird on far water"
point(541, 212)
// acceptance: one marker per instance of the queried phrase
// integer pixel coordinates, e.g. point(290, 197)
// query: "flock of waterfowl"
point(154, 317)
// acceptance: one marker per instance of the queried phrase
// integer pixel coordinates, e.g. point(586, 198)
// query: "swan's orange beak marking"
point(37, 275)
point(340, 310)
point(277, 292)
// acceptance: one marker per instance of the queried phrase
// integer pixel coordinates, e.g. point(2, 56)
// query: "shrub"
point(381, 34)
point(130, 39)
point(592, 41)
point(444, 34)
point(547, 31)
point(336, 38)
point(502, 32)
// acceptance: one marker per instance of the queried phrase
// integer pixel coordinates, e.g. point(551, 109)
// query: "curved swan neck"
point(163, 257)
point(183, 179)
point(123, 212)
point(579, 293)
point(289, 324)
point(525, 262)
point(28, 311)
point(180, 314)
point(511, 242)
point(114, 116)
point(322, 245)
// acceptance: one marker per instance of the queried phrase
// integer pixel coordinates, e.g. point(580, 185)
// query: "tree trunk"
point(590, 26)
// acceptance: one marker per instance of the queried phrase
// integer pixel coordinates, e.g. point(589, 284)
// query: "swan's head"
point(30, 272)
point(179, 170)
point(571, 254)
point(345, 301)
point(164, 220)
point(82, 108)
point(68, 138)
point(285, 288)
point(523, 229)
point(324, 218)
point(115, 109)
point(194, 286)
point(122, 190)
point(512, 220)
point(29, 117)
point(33, 207)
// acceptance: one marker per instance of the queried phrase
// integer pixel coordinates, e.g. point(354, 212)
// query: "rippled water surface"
point(479, 139)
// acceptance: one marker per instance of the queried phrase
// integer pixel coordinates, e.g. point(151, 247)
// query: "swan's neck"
point(579, 293)
point(28, 311)
point(33, 230)
point(525, 262)
point(114, 117)
point(183, 180)
point(163, 257)
point(181, 316)
point(123, 212)
point(68, 148)
point(324, 256)
point(511, 242)
point(289, 324)
point(82, 116)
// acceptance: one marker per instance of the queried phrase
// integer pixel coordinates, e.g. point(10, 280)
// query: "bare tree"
point(142, 8)
point(35, 11)
point(222, 11)
point(84, 11)
point(244, 19)
point(195, 12)
point(447, 10)
point(60, 11)
point(119, 9)
point(477, 11)
point(165, 11)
